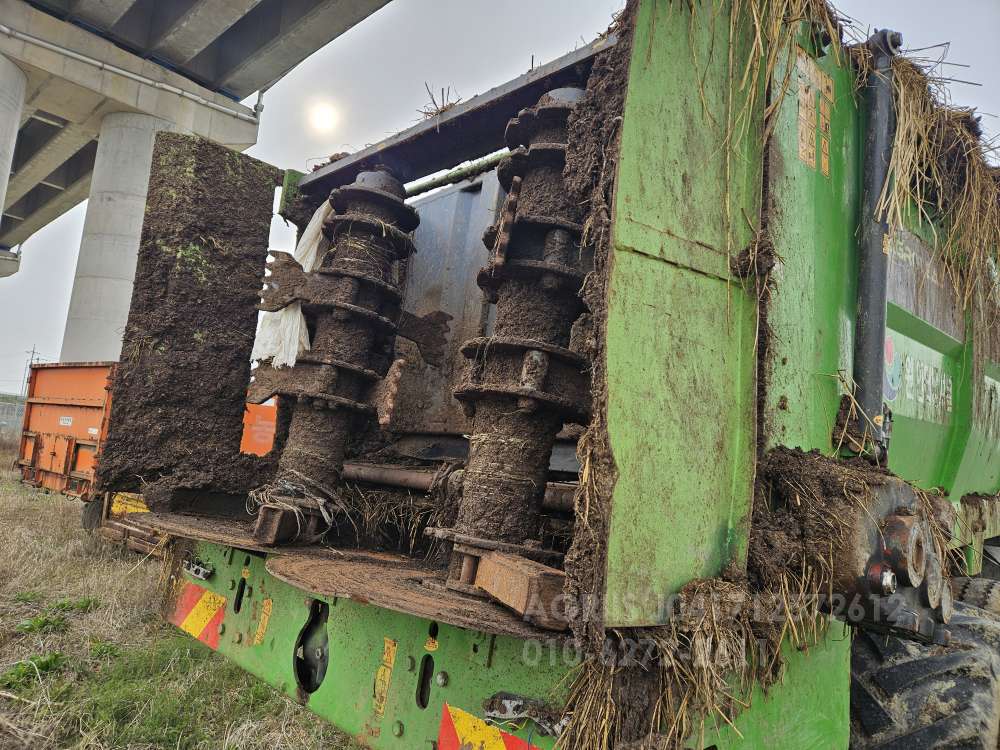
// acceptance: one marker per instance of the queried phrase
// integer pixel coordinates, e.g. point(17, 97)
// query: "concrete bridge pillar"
point(102, 287)
point(12, 86)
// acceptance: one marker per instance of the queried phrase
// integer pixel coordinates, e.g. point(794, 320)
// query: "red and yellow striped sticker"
point(199, 612)
point(461, 730)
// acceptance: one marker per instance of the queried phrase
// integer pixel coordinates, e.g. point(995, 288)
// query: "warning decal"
point(814, 121)
point(199, 612)
point(461, 730)
point(383, 676)
point(265, 618)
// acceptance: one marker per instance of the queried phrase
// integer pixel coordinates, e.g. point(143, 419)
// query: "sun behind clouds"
point(323, 117)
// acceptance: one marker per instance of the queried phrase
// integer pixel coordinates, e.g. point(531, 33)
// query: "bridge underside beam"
point(235, 47)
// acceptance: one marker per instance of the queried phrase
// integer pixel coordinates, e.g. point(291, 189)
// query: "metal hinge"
point(197, 569)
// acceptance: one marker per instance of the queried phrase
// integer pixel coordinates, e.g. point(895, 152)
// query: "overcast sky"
point(369, 83)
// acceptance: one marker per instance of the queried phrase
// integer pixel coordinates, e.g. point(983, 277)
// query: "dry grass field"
point(85, 661)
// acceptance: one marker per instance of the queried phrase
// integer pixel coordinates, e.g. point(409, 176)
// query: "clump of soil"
point(590, 178)
point(180, 389)
point(803, 505)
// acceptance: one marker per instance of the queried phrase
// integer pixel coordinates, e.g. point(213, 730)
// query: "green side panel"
point(977, 467)
point(946, 423)
point(806, 709)
point(946, 426)
point(930, 424)
point(468, 667)
point(812, 220)
point(476, 666)
point(680, 333)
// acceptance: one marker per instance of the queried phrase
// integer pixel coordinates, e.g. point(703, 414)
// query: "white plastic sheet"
point(282, 335)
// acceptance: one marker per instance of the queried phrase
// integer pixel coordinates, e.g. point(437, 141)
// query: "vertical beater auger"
point(352, 302)
point(523, 382)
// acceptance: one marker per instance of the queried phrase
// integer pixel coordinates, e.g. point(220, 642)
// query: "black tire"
point(905, 695)
point(979, 592)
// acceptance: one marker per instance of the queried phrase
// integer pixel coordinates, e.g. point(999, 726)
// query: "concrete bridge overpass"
point(84, 87)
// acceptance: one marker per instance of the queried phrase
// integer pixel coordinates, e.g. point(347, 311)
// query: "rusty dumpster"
point(65, 416)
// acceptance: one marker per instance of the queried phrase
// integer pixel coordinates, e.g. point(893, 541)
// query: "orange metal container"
point(258, 427)
point(66, 420)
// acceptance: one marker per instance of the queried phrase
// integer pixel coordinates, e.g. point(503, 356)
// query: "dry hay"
point(940, 176)
point(393, 519)
point(436, 107)
point(940, 172)
point(725, 635)
point(370, 516)
point(661, 687)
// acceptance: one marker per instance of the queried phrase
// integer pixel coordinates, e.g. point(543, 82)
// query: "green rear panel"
point(681, 353)
point(680, 343)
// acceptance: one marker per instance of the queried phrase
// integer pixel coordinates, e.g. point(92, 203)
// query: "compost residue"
point(180, 388)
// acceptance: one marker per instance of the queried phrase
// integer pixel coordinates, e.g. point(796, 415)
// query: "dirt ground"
point(85, 661)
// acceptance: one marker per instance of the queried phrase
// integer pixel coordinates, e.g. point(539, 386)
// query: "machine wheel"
point(90, 516)
point(905, 695)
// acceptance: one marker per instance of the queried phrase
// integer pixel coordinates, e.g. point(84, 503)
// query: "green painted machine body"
point(371, 697)
point(398, 703)
point(682, 363)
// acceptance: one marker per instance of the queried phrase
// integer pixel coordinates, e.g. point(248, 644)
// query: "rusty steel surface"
point(231, 532)
point(399, 585)
point(886, 569)
point(65, 419)
point(524, 382)
point(558, 495)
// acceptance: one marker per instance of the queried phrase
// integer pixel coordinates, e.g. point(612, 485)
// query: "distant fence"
point(11, 415)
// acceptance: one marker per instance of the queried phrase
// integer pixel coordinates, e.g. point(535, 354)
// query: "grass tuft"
point(43, 624)
point(25, 672)
point(100, 649)
point(96, 668)
point(83, 604)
